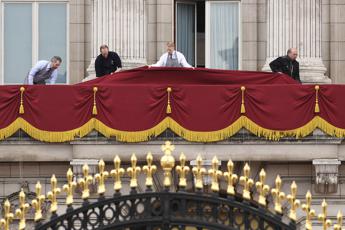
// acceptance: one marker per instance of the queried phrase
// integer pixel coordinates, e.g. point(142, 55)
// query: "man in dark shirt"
point(287, 64)
point(107, 62)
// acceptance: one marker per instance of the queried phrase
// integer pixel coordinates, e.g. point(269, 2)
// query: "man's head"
point(55, 62)
point(104, 49)
point(170, 47)
point(292, 53)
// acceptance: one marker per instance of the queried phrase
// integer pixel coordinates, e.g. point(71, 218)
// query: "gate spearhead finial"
point(149, 170)
point(246, 182)
point(215, 174)
point(262, 188)
point(182, 171)
point(7, 219)
point(52, 195)
point(69, 187)
point(198, 172)
point(310, 213)
point(326, 223)
point(294, 202)
point(231, 178)
point(278, 195)
point(133, 172)
point(117, 173)
point(85, 182)
point(339, 224)
point(100, 177)
point(37, 203)
point(22, 210)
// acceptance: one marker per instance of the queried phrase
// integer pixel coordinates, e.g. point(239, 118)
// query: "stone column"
point(296, 23)
point(121, 24)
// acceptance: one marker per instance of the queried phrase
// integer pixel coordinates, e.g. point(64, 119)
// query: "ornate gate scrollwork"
point(170, 209)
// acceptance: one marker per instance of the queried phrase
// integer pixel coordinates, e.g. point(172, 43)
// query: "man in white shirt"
point(172, 58)
point(44, 70)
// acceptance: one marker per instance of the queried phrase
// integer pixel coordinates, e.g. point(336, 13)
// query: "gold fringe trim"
point(21, 107)
point(194, 136)
point(94, 108)
point(243, 108)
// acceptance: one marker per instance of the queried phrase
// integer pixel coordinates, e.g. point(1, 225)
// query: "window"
point(32, 31)
point(208, 32)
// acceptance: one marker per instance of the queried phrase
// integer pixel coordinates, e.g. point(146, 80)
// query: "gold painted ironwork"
point(182, 171)
point(7, 219)
point(117, 173)
point(278, 195)
point(37, 203)
point(22, 210)
point(167, 162)
point(85, 182)
point(52, 195)
point(262, 188)
point(69, 187)
point(101, 176)
point(215, 174)
point(246, 182)
point(198, 172)
point(339, 224)
point(133, 172)
point(149, 170)
point(326, 223)
point(294, 202)
point(310, 213)
point(231, 178)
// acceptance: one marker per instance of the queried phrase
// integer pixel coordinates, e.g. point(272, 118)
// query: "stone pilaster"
point(122, 25)
point(297, 23)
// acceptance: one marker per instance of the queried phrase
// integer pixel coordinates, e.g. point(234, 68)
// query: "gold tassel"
point(21, 107)
point(317, 108)
point(243, 108)
point(169, 106)
point(94, 109)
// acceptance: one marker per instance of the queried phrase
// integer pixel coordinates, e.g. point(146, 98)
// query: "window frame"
point(35, 34)
point(207, 31)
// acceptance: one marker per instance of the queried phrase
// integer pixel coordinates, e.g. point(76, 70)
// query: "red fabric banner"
point(206, 105)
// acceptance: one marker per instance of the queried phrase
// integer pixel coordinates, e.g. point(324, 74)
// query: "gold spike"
point(339, 224)
point(85, 182)
point(149, 170)
point(198, 172)
point(133, 172)
point(246, 182)
point(69, 187)
point(231, 178)
point(101, 176)
point(215, 174)
point(37, 203)
point(262, 188)
point(326, 223)
point(117, 173)
point(8, 216)
point(278, 195)
point(22, 210)
point(52, 195)
point(294, 203)
point(182, 170)
point(167, 162)
point(310, 213)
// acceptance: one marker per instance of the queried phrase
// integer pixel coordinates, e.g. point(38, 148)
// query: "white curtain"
point(224, 35)
point(185, 30)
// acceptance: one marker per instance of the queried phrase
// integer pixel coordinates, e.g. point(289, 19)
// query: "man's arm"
point(297, 75)
point(98, 68)
point(39, 65)
point(53, 77)
point(276, 65)
point(184, 62)
point(160, 62)
point(118, 62)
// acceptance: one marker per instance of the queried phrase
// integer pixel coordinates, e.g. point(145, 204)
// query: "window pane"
point(52, 34)
point(185, 34)
point(224, 35)
point(17, 41)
